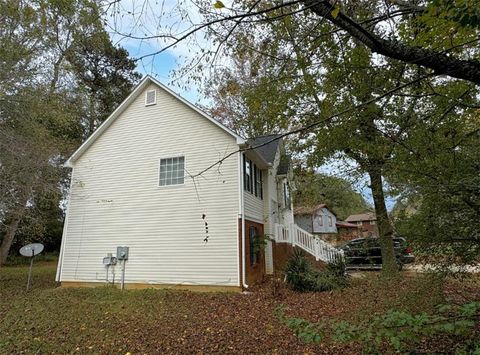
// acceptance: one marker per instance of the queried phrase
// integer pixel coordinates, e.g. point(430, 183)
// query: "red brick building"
point(366, 223)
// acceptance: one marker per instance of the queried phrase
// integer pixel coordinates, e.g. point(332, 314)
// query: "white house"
point(186, 195)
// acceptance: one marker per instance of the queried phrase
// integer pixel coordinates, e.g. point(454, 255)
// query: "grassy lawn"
point(106, 320)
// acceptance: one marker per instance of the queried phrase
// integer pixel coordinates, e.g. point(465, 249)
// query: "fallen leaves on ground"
point(106, 320)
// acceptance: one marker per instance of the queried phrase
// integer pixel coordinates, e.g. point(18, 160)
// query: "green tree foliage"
point(317, 86)
point(104, 73)
point(237, 102)
point(440, 206)
point(312, 189)
point(43, 115)
point(379, 116)
point(32, 144)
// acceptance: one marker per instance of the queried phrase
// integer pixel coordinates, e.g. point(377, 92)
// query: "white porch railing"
point(296, 236)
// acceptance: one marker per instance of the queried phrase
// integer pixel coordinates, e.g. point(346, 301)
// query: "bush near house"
point(301, 276)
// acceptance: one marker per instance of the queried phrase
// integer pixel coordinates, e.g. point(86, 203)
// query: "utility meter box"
point(109, 260)
point(122, 253)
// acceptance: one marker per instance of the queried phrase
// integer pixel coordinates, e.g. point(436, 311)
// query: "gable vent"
point(151, 97)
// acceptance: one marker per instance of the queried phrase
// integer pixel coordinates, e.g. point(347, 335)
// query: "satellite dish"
point(31, 249)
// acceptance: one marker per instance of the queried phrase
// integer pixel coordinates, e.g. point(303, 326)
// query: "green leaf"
point(218, 4)
point(336, 11)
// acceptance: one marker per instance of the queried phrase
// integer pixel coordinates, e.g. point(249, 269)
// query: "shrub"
point(337, 268)
point(400, 330)
point(302, 277)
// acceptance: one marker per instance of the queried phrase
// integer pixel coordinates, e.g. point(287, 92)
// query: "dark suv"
point(365, 253)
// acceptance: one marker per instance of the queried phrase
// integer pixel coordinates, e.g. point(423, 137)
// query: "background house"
point(319, 220)
point(366, 222)
point(347, 231)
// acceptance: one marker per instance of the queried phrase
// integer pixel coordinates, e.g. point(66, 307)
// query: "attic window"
point(150, 97)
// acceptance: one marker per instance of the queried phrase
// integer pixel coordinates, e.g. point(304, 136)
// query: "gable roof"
point(268, 146)
point(369, 216)
point(310, 210)
point(130, 98)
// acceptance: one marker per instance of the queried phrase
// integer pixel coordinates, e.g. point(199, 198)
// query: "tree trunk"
point(56, 73)
point(8, 240)
point(385, 230)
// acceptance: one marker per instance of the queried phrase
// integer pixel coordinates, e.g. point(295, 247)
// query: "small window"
point(258, 182)
point(359, 223)
point(247, 174)
point(372, 222)
point(172, 171)
point(320, 220)
point(330, 221)
point(151, 97)
point(254, 179)
point(254, 250)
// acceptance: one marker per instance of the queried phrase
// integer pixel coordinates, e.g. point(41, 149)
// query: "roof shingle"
point(268, 146)
point(368, 216)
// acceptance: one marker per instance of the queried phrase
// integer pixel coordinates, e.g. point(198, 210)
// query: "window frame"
point(320, 219)
point(247, 178)
point(171, 156)
point(253, 180)
point(155, 97)
point(258, 182)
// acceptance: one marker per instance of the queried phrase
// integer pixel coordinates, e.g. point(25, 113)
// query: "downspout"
point(242, 213)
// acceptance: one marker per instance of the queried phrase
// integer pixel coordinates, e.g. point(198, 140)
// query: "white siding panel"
point(115, 200)
point(253, 207)
point(324, 226)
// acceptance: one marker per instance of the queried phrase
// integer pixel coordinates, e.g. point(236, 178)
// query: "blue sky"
point(160, 67)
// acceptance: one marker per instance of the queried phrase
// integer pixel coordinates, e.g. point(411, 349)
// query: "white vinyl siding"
point(324, 221)
point(116, 200)
point(253, 204)
point(253, 208)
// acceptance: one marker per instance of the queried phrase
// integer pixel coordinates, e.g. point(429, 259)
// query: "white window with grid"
point(172, 171)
